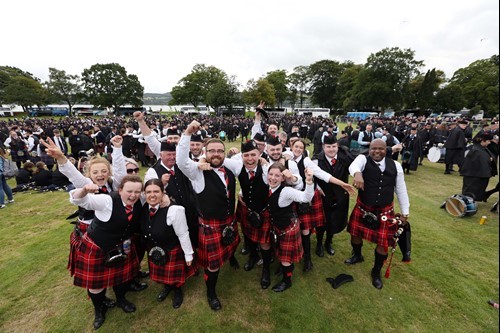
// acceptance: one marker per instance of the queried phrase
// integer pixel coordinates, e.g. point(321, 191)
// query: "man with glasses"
point(215, 189)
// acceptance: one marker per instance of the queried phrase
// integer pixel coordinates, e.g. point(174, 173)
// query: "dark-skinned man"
point(377, 177)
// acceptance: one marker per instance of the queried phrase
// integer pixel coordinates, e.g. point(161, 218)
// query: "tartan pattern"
point(211, 253)
point(383, 236)
point(74, 242)
point(290, 244)
point(175, 271)
point(90, 272)
point(316, 216)
point(258, 235)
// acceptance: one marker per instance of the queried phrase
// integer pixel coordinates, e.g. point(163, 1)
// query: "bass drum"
point(434, 154)
point(460, 205)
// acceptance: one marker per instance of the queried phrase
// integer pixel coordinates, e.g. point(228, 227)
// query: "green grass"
point(455, 270)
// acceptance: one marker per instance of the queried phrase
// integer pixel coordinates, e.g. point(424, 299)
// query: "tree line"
point(391, 78)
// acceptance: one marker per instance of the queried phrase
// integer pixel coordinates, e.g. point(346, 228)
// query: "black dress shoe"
point(250, 263)
point(233, 262)
point(100, 316)
point(329, 249)
point(137, 286)
point(308, 266)
point(282, 286)
point(125, 305)
point(265, 280)
point(143, 275)
point(178, 298)
point(354, 260)
point(109, 303)
point(164, 293)
point(376, 280)
point(320, 250)
point(406, 257)
point(214, 303)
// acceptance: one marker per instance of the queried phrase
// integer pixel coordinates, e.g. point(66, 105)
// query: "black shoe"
point(143, 275)
point(109, 303)
point(164, 293)
point(125, 305)
point(265, 280)
point(354, 260)
point(233, 262)
point(282, 286)
point(137, 286)
point(376, 280)
point(214, 303)
point(178, 298)
point(308, 266)
point(100, 316)
point(329, 249)
point(406, 257)
point(320, 250)
point(250, 263)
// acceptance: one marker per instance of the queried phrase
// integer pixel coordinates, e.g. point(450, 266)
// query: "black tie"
point(61, 144)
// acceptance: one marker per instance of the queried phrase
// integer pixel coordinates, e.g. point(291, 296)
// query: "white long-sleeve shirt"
point(358, 165)
point(289, 195)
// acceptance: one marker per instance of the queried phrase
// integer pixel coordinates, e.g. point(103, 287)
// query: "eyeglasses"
point(214, 151)
point(136, 170)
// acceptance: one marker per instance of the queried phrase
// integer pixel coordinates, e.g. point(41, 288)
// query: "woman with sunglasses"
point(131, 166)
point(170, 254)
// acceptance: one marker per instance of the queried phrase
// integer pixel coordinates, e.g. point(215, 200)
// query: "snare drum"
point(460, 205)
point(434, 154)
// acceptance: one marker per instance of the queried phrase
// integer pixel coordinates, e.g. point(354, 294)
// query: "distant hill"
point(156, 99)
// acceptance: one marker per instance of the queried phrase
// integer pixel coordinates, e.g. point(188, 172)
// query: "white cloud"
point(161, 41)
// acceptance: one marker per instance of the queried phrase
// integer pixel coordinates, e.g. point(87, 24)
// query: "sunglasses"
point(136, 170)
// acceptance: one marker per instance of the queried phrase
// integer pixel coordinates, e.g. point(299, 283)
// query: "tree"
point(109, 85)
point(224, 93)
point(450, 98)
point(257, 91)
point(6, 74)
point(479, 84)
point(64, 87)
point(299, 84)
point(386, 80)
point(24, 91)
point(346, 85)
point(324, 76)
point(279, 80)
point(194, 87)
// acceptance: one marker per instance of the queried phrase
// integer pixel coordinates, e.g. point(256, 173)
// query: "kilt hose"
point(384, 235)
point(74, 241)
point(257, 235)
point(315, 217)
point(90, 272)
point(175, 271)
point(211, 253)
point(289, 247)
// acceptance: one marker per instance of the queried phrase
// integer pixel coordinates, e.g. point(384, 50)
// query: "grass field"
point(454, 272)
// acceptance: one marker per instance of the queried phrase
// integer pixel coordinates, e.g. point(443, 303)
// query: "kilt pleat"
point(90, 271)
point(316, 216)
point(258, 235)
point(211, 253)
point(290, 243)
point(384, 235)
point(74, 242)
point(175, 271)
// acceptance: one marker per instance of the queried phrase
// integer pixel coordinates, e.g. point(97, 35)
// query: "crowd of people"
point(186, 214)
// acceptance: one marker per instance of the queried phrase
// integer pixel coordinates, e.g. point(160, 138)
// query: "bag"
point(371, 221)
point(228, 235)
point(9, 168)
point(115, 258)
point(255, 219)
point(158, 256)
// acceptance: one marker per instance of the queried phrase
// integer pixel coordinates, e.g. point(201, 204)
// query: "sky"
point(161, 41)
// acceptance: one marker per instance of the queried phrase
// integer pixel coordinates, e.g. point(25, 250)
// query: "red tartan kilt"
point(175, 271)
point(258, 235)
point(383, 236)
point(211, 253)
point(316, 216)
point(90, 272)
point(290, 244)
point(74, 242)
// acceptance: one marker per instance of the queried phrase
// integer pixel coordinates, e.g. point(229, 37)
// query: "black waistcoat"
point(254, 191)
point(280, 216)
point(156, 230)
point(213, 200)
point(108, 234)
point(379, 186)
point(367, 137)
